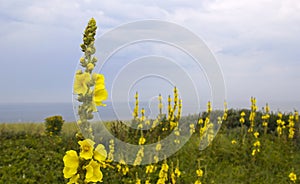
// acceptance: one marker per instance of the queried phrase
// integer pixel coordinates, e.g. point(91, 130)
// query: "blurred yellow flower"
point(200, 121)
point(158, 147)
point(155, 158)
point(233, 141)
point(197, 182)
point(173, 178)
point(256, 144)
point(253, 152)
point(100, 93)
point(138, 181)
point(71, 163)
point(81, 81)
point(293, 177)
point(86, 148)
point(256, 134)
point(125, 170)
point(142, 140)
point(177, 172)
point(280, 115)
point(199, 172)
point(93, 172)
point(100, 153)
point(149, 169)
point(165, 167)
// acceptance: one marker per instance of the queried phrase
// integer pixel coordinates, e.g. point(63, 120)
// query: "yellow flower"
point(200, 121)
point(125, 170)
point(173, 124)
point(71, 163)
point(93, 172)
point(173, 178)
point(100, 153)
point(165, 167)
point(138, 181)
point(155, 158)
point(177, 141)
point(81, 81)
point(233, 142)
point(253, 152)
point(197, 182)
point(158, 147)
point(199, 172)
point(256, 134)
point(142, 140)
point(279, 115)
point(119, 167)
point(256, 144)
point(100, 93)
point(140, 126)
point(160, 181)
point(250, 129)
point(149, 169)
point(86, 148)
point(293, 177)
point(74, 179)
point(177, 172)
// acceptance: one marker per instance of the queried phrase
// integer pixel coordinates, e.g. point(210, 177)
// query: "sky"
point(255, 42)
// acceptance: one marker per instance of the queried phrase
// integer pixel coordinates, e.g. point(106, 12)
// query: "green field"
point(28, 155)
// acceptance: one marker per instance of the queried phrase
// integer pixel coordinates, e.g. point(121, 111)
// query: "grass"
point(69, 128)
point(27, 155)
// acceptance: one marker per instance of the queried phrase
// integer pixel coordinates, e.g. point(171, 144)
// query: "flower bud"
point(82, 60)
point(89, 50)
point(94, 60)
point(83, 47)
point(90, 116)
point(79, 136)
point(90, 66)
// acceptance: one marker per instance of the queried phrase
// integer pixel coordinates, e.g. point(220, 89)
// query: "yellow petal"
point(99, 96)
point(100, 153)
point(100, 93)
point(71, 159)
point(93, 172)
point(74, 179)
point(69, 172)
point(80, 83)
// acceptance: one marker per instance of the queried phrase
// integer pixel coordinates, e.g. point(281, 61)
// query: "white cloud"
point(256, 42)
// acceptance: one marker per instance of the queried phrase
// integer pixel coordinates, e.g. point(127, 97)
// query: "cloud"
point(256, 42)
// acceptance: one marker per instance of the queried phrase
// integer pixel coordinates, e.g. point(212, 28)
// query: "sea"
point(37, 112)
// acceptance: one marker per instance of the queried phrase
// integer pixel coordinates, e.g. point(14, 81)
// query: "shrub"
point(53, 125)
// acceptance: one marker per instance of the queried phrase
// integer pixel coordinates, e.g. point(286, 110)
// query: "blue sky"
point(255, 42)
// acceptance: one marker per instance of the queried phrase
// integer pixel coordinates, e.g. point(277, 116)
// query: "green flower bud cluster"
point(89, 35)
point(89, 61)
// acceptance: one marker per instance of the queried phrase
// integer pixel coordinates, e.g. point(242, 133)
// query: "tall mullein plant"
point(89, 86)
point(86, 166)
